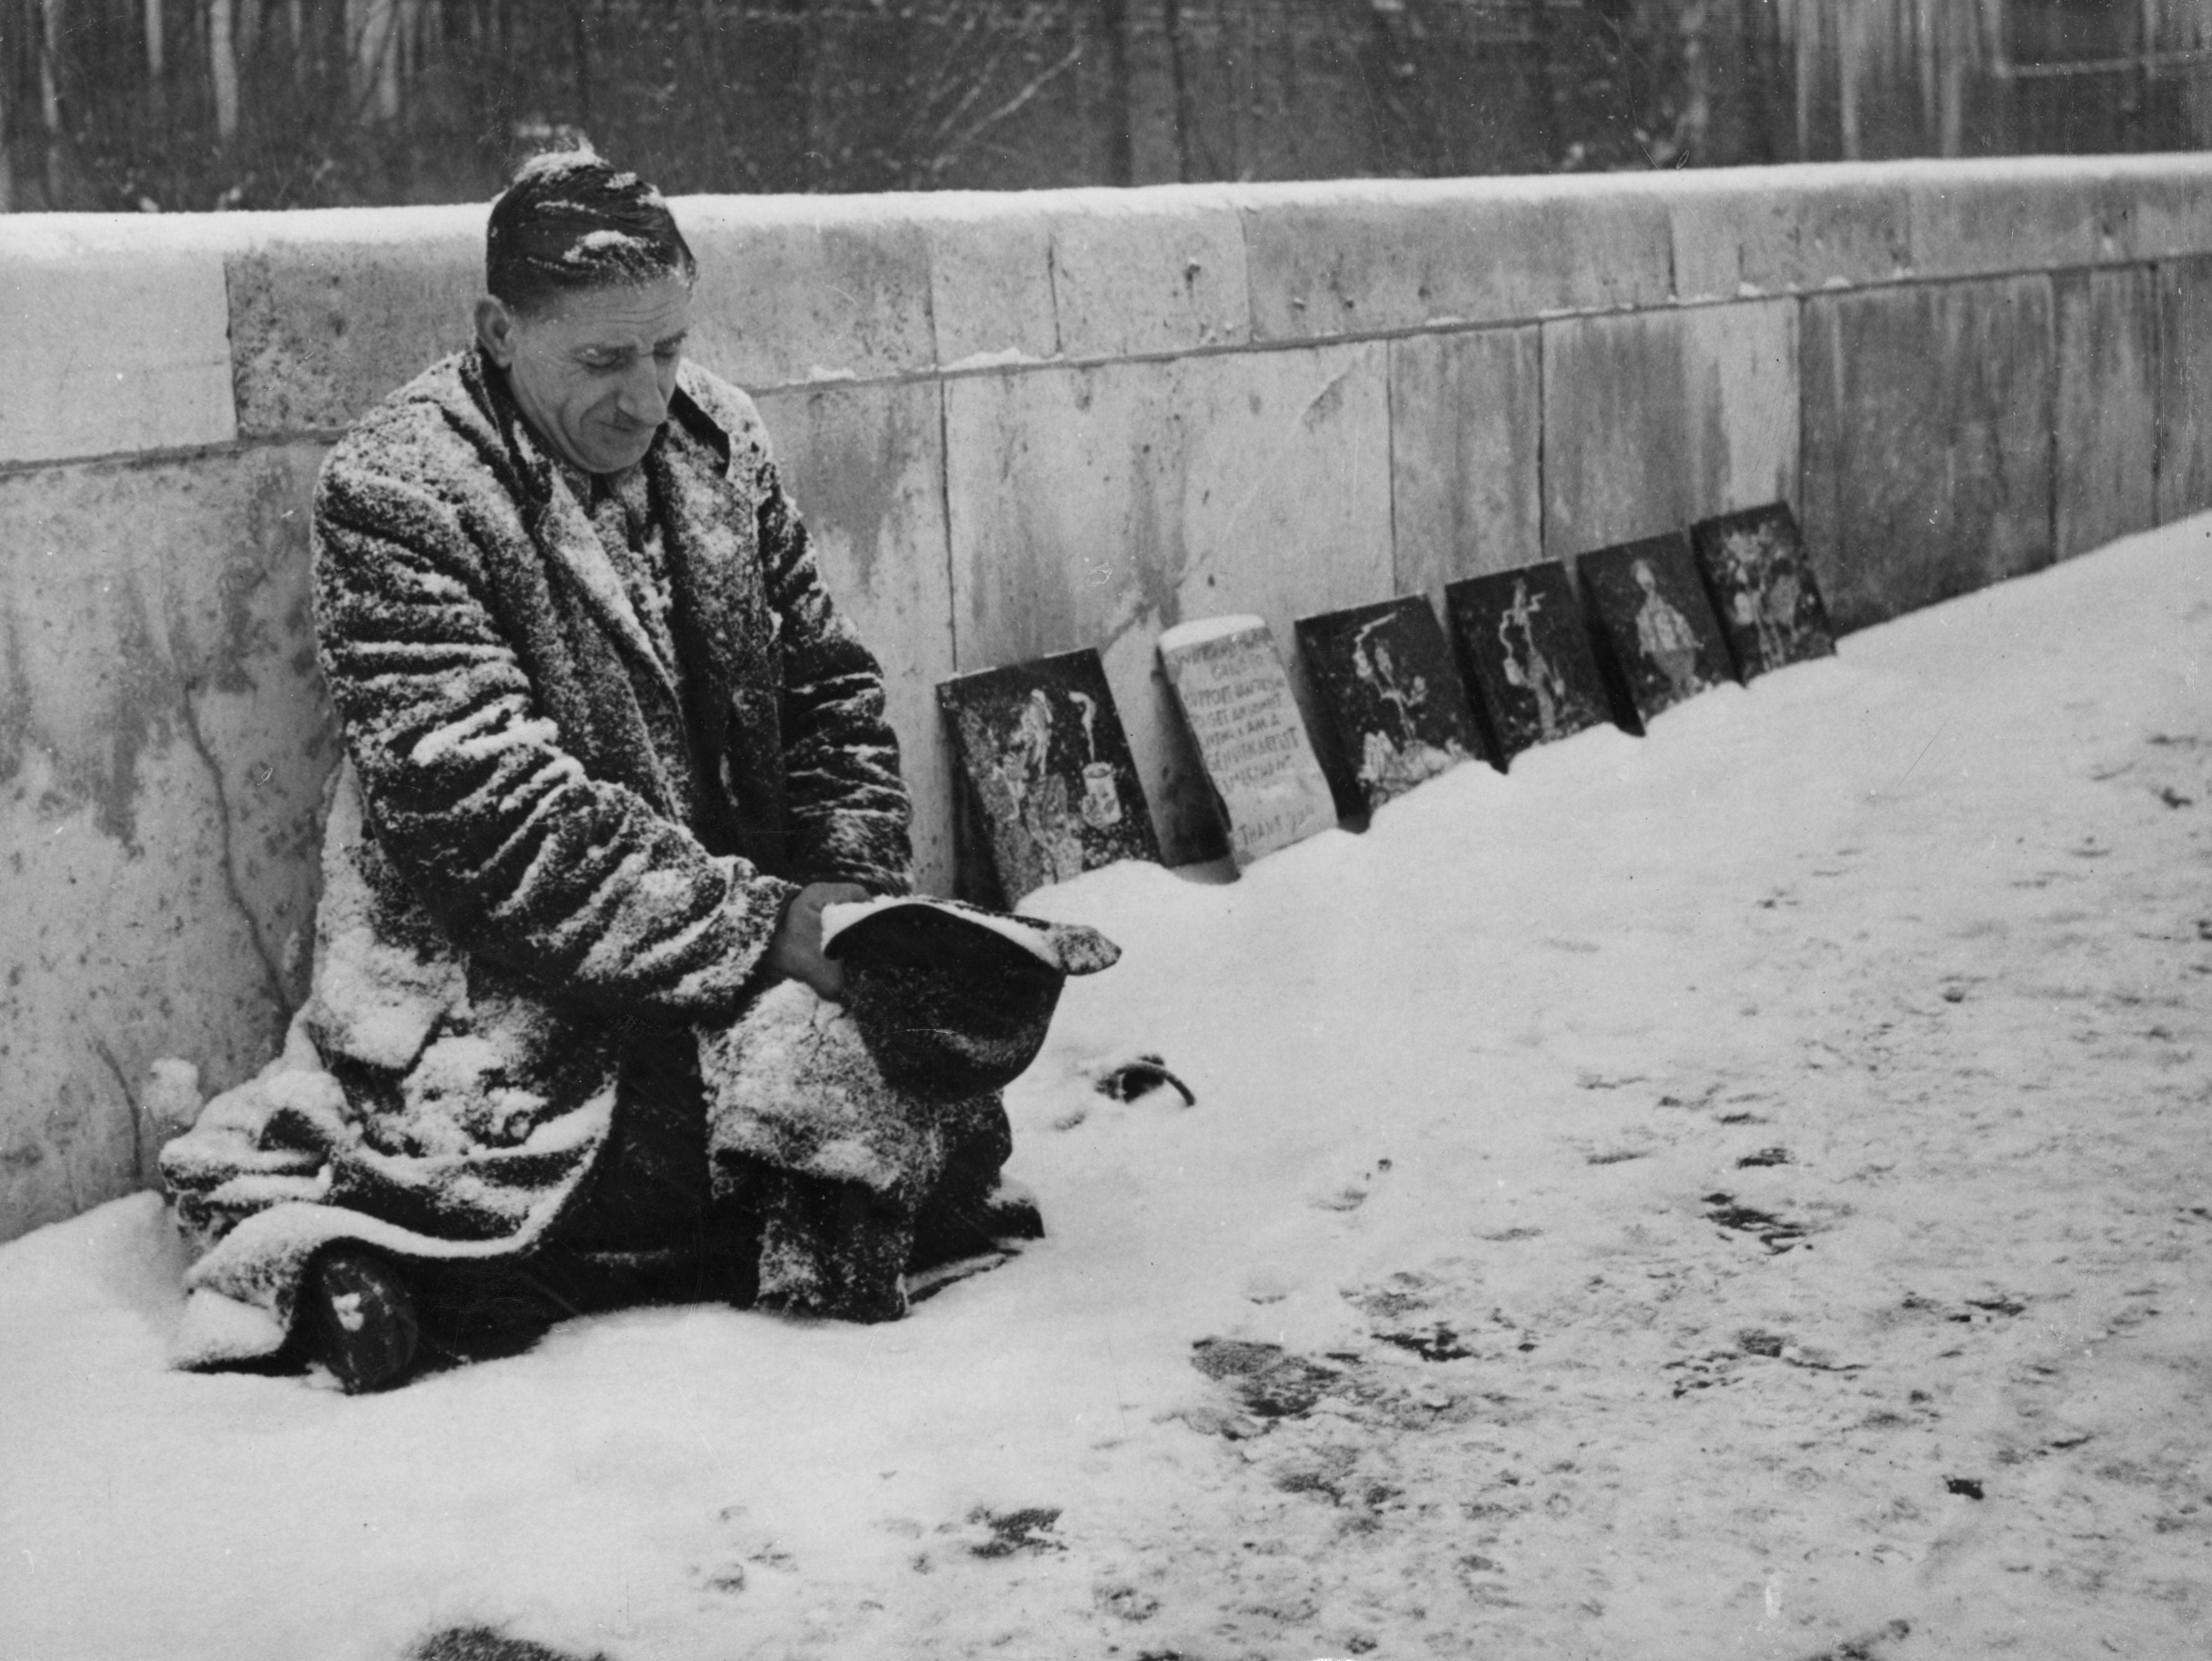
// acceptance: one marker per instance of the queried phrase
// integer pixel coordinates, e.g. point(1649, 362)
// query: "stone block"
point(2106, 412)
point(1362, 257)
point(1656, 420)
point(322, 326)
point(1466, 454)
point(164, 743)
point(1163, 271)
point(2020, 214)
point(108, 347)
point(2162, 204)
point(2185, 388)
point(800, 289)
point(1927, 441)
point(1097, 506)
point(990, 279)
point(1740, 232)
point(866, 467)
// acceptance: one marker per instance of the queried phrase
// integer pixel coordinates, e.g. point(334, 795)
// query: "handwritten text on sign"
point(1237, 701)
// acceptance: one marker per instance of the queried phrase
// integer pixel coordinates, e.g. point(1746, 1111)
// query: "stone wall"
point(1015, 424)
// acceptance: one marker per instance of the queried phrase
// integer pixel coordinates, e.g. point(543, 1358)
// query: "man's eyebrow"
point(676, 339)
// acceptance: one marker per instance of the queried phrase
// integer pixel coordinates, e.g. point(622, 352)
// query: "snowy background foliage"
point(201, 104)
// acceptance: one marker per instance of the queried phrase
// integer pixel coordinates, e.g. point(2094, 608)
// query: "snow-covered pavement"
point(1745, 1191)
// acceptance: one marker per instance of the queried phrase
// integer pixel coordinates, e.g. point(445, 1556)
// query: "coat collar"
point(559, 522)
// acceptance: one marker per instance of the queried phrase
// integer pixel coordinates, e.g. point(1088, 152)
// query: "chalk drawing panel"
point(1525, 652)
point(1042, 748)
point(1654, 621)
point(1762, 588)
point(1386, 680)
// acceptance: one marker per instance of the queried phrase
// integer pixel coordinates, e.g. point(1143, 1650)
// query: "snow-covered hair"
point(567, 223)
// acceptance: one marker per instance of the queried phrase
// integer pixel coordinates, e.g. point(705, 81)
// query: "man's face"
point(594, 372)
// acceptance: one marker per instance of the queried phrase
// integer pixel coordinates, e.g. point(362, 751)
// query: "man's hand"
point(796, 951)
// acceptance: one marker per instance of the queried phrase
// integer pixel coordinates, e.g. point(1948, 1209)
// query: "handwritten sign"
point(1236, 702)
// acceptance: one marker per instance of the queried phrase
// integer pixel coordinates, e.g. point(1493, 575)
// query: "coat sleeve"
point(523, 859)
point(846, 808)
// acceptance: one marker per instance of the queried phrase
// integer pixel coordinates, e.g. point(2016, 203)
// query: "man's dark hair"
point(567, 223)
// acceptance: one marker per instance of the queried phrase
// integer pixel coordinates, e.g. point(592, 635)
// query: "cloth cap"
point(954, 1001)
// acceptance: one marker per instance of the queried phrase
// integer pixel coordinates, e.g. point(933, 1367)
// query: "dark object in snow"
point(1386, 681)
point(1267, 787)
point(358, 1319)
point(1867, 1647)
point(1762, 589)
point(1524, 652)
point(1027, 1530)
point(1968, 1487)
point(1433, 1343)
point(1760, 1344)
point(1140, 1076)
point(1269, 1383)
point(954, 1001)
point(1655, 629)
point(1047, 764)
point(1765, 1156)
point(1776, 1234)
point(489, 1644)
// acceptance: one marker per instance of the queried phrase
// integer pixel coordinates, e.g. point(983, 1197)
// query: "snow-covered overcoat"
point(509, 889)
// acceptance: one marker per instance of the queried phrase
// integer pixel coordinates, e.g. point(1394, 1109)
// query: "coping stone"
point(1357, 258)
point(2106, 412)
point(106, 349)
point(1739, 232)
point(1159, 273)
point(990, 282)
point(1982, 221)
point(323, 329)
point(1654, 420)
point(1927, 441)
point(800, 291)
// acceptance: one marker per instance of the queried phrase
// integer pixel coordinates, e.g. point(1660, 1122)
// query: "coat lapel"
point(562, 529)
point(565, 532)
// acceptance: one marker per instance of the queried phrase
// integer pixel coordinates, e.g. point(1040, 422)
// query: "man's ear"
point(495, 327)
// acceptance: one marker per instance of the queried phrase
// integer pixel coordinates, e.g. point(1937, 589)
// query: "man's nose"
point(645, 393)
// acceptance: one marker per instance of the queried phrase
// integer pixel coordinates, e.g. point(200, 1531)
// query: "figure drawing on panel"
point(1389, 766)
point(1526, 666)
point(1664, 636)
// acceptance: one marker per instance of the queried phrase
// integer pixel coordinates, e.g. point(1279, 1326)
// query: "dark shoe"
point(963, 1219)
point(359, 1320)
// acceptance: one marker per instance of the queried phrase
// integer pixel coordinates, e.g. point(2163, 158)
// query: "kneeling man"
point(610, 751)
